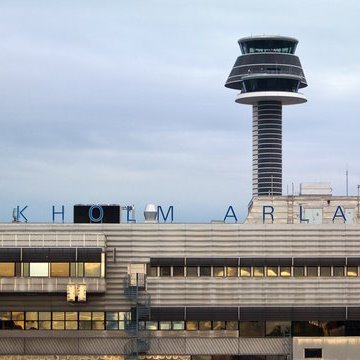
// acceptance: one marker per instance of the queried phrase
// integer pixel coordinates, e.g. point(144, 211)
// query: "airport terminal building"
point(285, 284)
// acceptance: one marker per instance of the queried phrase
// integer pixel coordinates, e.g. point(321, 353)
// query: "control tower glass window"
point(261, 46)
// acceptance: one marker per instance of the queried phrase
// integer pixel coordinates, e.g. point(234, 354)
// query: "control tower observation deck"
point(268, 75)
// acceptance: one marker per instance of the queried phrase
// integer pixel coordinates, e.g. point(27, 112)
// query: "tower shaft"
point(267, 148)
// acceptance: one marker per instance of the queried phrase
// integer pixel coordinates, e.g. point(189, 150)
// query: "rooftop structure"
point(268, 75)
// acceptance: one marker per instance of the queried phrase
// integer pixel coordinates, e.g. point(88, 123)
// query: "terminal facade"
point(285, 284)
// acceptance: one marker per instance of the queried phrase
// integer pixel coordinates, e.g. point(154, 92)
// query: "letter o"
point(101, 213)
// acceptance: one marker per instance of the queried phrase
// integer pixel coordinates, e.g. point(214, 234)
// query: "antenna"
point(347, 180)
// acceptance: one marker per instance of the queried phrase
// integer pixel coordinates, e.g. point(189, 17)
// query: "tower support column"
point(267, 148)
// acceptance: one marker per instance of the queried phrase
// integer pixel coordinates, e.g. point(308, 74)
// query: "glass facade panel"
point(59, 269)
point(219, 271)
point(204, 325)
point(45, 315)
point(58, 315)
point(306, 328)
point(325, 271)
point(153, 271)
point(45, 325)
point(272, 271)
point(39, 269)
point(259, 271)
point(31, 325)
point(80, 269)
point(71, 325)
point(17, 315)
point(219, 325)
point(58, 325)
point(178, 271)
point(192, 271)
point(112, 325)
point(98, 325)
point(278, 328)
point(71, 315)
point(165, 325)
point(151, 325)
point(112, 315)
point(31, 315)
point(352, 271)
point(19, 325)
point(312, 271)
point(7, 269)
point(245, 271)
point(205, 270)
point(73, 269)
point(84, 325)
point(165, 271)
point(252, 328)
point(178, 325)
point(98, 315)
point(338, 271)
point(232, 325)
point(5, 315)
point(299, 271)
point(85, 315)
point(231, 271)
point(191, 325)
point(285, 271)
point(92, 269)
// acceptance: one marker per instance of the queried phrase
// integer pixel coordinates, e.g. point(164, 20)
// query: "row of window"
point(54, 269)
point(256, 271)
point(213, 357)
point(87, 320)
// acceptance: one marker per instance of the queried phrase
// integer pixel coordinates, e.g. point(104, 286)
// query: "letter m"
point(170, 213)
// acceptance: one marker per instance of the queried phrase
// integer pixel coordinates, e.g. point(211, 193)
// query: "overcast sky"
point(124, 102)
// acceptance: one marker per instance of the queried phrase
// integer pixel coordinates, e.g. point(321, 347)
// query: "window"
point(71, 320)
point(112, 320)
point(191, 325)
point(85, 320)
point(219, 325)
point(7, 269)
point(232, 325)
point(278, 328)
point(218, 271)
point(58, 318)
point(352, 271)
point(312, 271)
point(39, 269)
point(98, 322)
point(178, 271)
point(178, 325)
point(59, 269)
point(325, 271)
point(252, 328)
point(338, 271)
point(92, 269)
point(258, 271)
point(204, 325)
point(152, 271)
point(165, 271)
point(299, 271)
point(313, 353)
point(151, 325)
point(205, 270)
point(285, 271)
point(272, 271)
point(31, 321)
point(191, 271)
point(231, 271)
point(165, 325)
point(245, 271)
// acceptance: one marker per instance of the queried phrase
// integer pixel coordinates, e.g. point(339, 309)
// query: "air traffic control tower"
point(268, 75)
